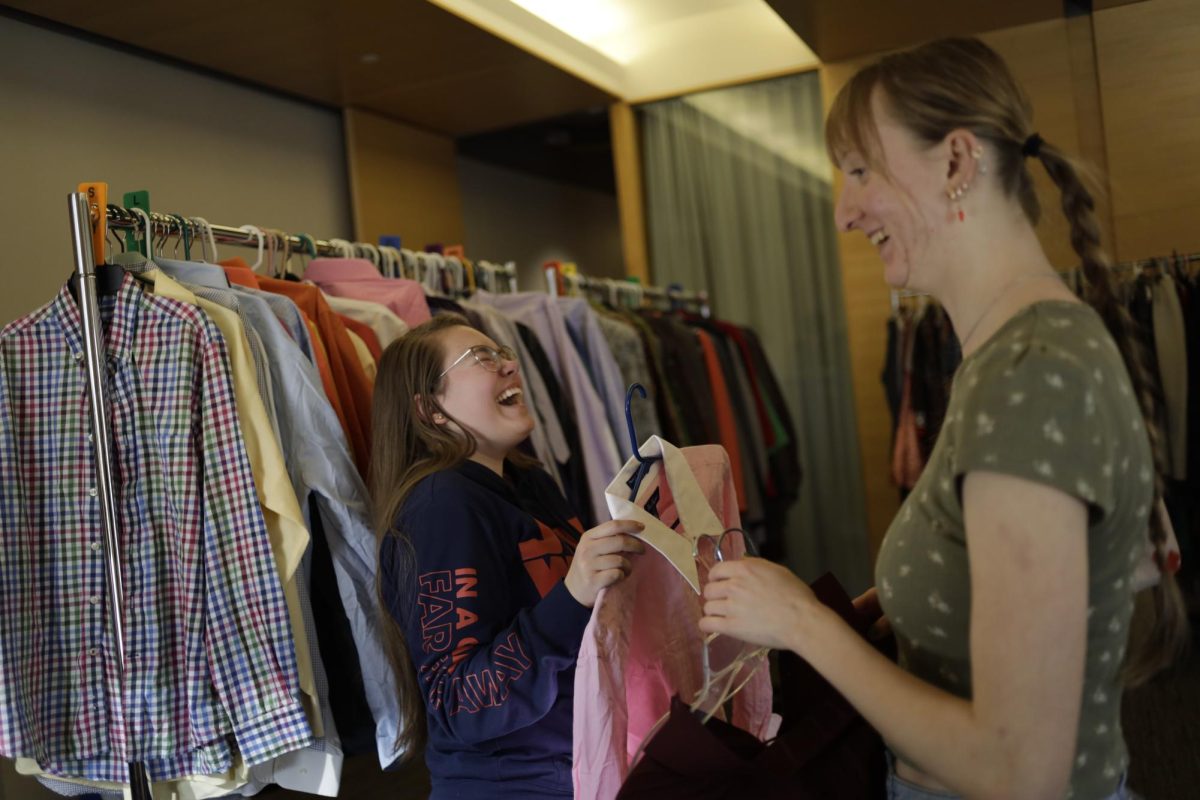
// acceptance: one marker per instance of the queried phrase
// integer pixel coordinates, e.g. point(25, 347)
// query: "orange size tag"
point(97, 195)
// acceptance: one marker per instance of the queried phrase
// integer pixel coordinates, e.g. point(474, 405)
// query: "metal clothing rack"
point(614, 288)
point(84, 207)
point(391, 262)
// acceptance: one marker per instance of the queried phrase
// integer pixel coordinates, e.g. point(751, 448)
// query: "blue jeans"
point(900, 789)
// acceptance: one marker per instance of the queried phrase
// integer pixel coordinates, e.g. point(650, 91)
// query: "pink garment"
point(643, 644)
point(358, 279)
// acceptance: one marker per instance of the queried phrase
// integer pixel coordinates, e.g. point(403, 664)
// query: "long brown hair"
point(962, 83)
point(407, 447)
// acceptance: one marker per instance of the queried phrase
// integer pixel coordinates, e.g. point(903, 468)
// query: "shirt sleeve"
point(486, 668)
point(247, 636)
point(1038, 413)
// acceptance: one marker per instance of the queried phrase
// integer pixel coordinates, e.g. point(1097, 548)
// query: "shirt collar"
point(121, 329)
point(194, 272)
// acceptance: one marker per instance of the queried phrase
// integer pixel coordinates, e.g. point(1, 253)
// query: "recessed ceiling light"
point(369, 58)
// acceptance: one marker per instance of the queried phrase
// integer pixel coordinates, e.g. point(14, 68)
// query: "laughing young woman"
point(1006, 575)
point(484, 568)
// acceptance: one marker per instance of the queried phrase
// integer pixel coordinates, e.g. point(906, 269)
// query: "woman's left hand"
point(759, 602)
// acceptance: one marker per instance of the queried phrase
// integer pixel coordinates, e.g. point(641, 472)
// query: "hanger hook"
point(208, 239)
point(257, 233)
point(633, 437)
point(147, 227)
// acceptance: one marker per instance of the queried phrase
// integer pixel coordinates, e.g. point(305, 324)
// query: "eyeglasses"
point(486, 357)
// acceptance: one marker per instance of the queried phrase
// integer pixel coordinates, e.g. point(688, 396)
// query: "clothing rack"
point(391, 262)
point(81, 215)
point(614, 288)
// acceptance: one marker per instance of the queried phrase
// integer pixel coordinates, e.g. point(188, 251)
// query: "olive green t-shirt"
point(1047, 399)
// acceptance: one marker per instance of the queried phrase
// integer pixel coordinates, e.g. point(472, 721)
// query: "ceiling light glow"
point(587, 21)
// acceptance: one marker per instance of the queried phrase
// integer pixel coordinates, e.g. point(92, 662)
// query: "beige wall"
point(1136, 116)
point(72, 111)
point(511, 216)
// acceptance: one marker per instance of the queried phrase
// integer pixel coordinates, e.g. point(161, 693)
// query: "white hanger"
point(206, 233)
point(255, 231)
point(344, 248)
point(391, 261)
point(372, 252)
point(147, 228)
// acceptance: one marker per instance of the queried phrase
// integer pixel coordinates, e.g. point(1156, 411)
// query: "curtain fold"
point(739, 202)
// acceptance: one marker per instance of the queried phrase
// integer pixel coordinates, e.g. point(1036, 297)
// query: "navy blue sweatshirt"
point(491, 628)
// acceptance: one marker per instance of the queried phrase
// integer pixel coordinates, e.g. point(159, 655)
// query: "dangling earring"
point(439, 418)
point(955, 196)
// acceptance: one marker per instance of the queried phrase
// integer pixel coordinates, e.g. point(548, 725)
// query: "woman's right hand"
point(599, 559)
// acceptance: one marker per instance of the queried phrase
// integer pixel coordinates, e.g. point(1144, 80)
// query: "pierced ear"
point(964, 154)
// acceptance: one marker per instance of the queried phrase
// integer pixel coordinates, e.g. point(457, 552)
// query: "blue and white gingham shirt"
point(210, 659)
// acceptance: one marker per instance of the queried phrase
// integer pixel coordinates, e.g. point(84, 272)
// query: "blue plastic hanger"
point(644, 463)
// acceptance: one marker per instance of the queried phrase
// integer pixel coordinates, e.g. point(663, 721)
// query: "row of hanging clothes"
point(240, 393)
point(709, 379)
point(240, 400)
point(1162, 296)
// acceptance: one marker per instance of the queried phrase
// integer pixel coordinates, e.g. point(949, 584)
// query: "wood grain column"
point(403, 181)
point(631, 200)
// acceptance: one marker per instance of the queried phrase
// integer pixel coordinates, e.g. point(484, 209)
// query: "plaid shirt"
point(208, 645)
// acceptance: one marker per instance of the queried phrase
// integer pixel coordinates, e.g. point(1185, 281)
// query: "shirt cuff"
point(272, 734)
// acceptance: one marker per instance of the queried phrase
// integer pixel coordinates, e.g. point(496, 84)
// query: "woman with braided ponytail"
point(1008, 574)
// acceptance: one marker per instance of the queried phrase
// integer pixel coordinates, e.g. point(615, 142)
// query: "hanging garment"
point(599, 448)
point(786, 472)
point(683, 366)
point(345, 610)
point(630, 355)
point(350, 382)
point(725, 421)
point(347, 614)
point(574, 476)
point(584, 329)
point(386, 325)
point(492, 629)
point(359, 279)
point(548, 439)
point(665, 403)
point(183, 469)
point(1170, 345)
point(365, 335)
point(824, 750)
point(643, 644)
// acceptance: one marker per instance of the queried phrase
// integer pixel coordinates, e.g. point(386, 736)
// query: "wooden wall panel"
point(631, 201)
point(402, 181)
point(1042, 59)
point(1150, 84)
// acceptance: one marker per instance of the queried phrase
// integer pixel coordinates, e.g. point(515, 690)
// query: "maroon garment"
point(825, 751)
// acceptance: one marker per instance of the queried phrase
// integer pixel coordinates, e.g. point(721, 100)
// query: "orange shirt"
point(726, 423)
point(352, 386)
point(239, 273)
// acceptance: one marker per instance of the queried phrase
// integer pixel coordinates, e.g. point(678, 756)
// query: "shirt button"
point(92, 491)
point(77, 356)
point(93, 651)
point(96, 546)
point(94, 599)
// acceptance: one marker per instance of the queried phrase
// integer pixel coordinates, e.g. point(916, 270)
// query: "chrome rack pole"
point(93, 346)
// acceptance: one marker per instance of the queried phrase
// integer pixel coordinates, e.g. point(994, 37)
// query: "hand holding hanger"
point(764, 603)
